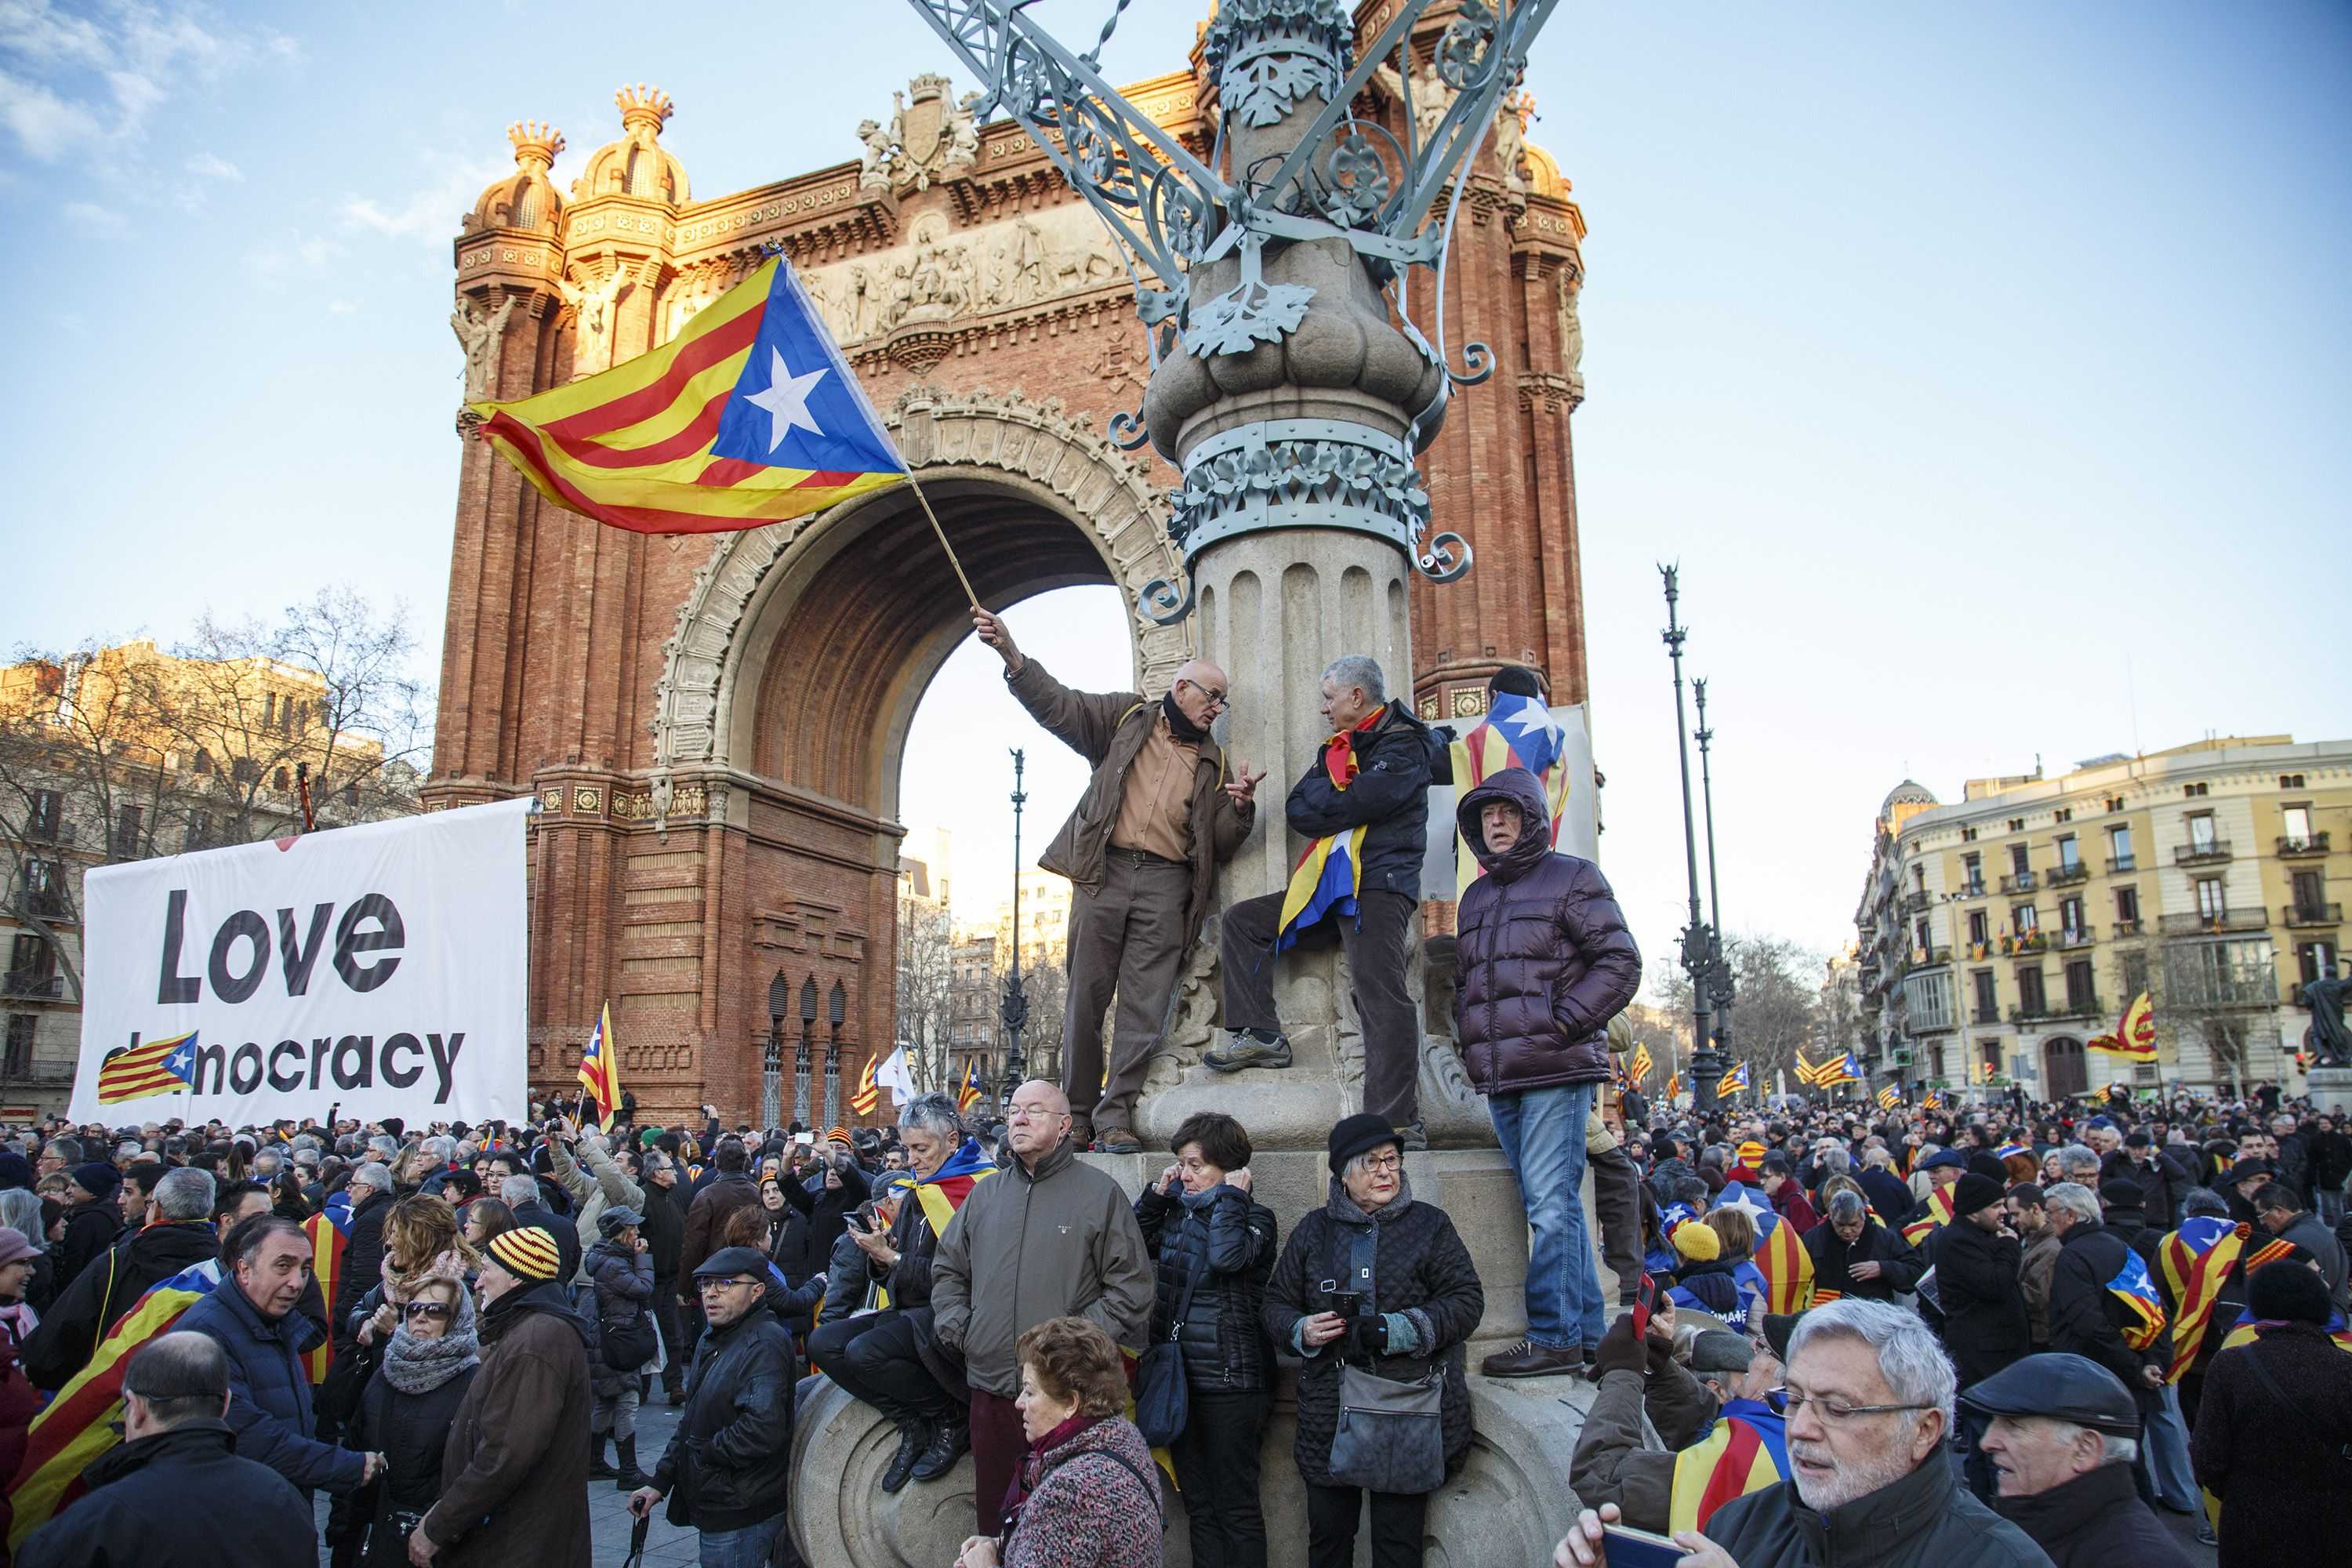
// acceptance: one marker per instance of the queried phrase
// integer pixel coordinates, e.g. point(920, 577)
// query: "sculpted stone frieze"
point(944, 274)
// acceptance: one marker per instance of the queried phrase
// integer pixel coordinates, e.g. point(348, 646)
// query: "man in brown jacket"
point(514, 1474)
point(1159, 817)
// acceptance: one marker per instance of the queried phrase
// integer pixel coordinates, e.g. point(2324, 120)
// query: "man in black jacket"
point(93, 1219)
point(180, 1237)
point(2090, 1319)
point(2063, 1433)
point(2163, 1181)
point(1977, 1260)
point(1384, 756)
point(729, 1463)
point(174, 1494)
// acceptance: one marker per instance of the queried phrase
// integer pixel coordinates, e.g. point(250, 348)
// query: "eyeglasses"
point(1785, 1401)
point(426, 1310)
point(727, 1284)
point(1384, 1162)
point(1215, 698)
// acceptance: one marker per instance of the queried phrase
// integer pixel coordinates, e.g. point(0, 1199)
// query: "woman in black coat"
point(406, 1411)
point(1422, 1302)
point(1214, 1248)
point(2274, 1425)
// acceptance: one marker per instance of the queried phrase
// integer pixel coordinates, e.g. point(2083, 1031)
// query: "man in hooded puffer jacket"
point(1543, 962)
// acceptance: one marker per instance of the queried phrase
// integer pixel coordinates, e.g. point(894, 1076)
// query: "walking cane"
point(636, 1557)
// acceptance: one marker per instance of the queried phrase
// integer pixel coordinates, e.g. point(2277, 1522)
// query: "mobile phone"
point(1645, 1302)
point(805, 1140)
point(1622, 1546)
point(1346, 1303)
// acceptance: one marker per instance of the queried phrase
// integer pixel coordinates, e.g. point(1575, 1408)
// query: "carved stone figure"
point(1029, 279)
point(1572, 333)
point(964, 132)
point(592, 306)
point(1428, 95)
point(2327, 1037)
point(685, 303)
point(874, 164)
point(479, 332)
point(1511, 138)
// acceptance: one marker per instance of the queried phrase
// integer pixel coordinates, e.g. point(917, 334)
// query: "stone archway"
point(1008, 477)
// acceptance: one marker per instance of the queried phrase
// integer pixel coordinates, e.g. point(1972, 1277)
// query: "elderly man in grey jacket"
point(1046, 1238)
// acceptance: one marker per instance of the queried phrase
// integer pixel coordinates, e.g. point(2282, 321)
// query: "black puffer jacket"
point(410, 1430)
point(1390, 792)
point(1226, 1241)
point(1544, 958)
point(620, 1281)
point(1420, 1266)
point(2095, 1520)
point(729, 1463)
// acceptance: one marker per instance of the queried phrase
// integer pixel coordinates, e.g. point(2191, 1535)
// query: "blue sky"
point(1984, 366)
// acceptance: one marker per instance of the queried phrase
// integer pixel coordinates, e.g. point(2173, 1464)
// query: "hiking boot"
point(598, 1470)
point(915, 1437)
point(950, 1443)
point(1117, 1141)
point(1412, 1137)
point(1249, 1048)
point(630, 1477)
point(1528, 1359)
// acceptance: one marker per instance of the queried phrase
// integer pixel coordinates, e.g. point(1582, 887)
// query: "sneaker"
point(1528, 1359)
point(1117, 1141)
point(1247, 1051)
point(1414, 1138)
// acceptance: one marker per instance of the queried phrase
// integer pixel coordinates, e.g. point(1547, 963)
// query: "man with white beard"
point(1869, 1403)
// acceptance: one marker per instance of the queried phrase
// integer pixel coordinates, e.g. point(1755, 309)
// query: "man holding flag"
point(1364, 805)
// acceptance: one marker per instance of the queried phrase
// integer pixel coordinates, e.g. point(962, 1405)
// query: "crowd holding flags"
point(600, 1065)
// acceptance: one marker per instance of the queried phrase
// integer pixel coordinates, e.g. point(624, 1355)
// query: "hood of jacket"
point(547, 1296)
point(1524, 790)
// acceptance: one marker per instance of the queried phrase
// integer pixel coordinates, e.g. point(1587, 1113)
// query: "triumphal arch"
point(713, 724)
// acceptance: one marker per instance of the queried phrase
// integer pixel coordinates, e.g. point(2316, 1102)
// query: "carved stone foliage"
point(942, 274)
point(1036, 442)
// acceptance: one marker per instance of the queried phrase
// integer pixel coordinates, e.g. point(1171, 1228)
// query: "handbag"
point(627, 1343)
point(1390, 1435)
point(1164, 1404)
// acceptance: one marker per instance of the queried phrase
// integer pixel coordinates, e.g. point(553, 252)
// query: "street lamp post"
point(1699, 939)
point(1015, 1012)
point(1720, 979)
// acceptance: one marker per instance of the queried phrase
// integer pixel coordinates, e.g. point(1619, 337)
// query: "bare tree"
point(1776, 1007)
point(925, 989)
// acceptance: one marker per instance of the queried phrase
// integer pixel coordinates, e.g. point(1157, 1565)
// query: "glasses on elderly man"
point(1786, 1401)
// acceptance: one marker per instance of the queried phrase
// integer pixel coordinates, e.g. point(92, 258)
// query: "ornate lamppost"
point(1720, 978)
point(1015, 1012)
point(1700, 953)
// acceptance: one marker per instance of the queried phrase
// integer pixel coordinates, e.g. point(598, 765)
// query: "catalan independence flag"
point(1847, 1068)
point(1787, 1267)
point(1889, 1097)
point(2249, 1328)
point(1518, 732)
point(969, 1095)
point(2137, 1291)
point(1939, 1212)
point(600, 1065)
point(869, 1093)
point(328, 1230)
point(1638, 1065)
point(748, 416)
point(1746, 1452)
point(157, 1067)
point(1733, 1082)
point(1331, 873)
point(72, 1430)
point(2196, 1259)
point(944, 1190)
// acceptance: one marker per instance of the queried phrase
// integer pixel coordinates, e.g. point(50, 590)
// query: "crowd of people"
point(1859, 1332)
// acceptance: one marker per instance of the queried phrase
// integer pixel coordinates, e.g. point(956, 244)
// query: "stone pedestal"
point(2330, 1090)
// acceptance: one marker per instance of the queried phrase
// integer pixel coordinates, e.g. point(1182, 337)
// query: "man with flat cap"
point(2063, 1432)
point(1160, 813)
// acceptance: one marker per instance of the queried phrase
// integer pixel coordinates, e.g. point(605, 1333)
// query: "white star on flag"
point(180, 1060)
point(786, 399)
point(1533, 719)
point(1749, 1206)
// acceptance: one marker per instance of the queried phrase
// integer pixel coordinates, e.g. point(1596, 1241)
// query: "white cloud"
point(430, 213)
point(43, 124)
point(97, 220)
point(90, 83)
point(213, 166)
point(343, 307)
point(294, 253)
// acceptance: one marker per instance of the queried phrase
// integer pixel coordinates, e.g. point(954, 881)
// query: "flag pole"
point(916, 485)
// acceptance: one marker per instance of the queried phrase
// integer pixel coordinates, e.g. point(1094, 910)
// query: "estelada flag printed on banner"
point(749, 415)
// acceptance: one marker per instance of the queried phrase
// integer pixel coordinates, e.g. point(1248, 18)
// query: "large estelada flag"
point(748, 416)
point(1733, 1082)
point(74, 1429)
point(2134, 1037)
point(1518, 732)
point(600, 1065)
point(2197, 1258)
point(328, 1230)
point(1784, 1268)
point(944, 1190)
point(157, 1067)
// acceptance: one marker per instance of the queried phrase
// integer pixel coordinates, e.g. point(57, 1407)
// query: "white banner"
point(383, 968)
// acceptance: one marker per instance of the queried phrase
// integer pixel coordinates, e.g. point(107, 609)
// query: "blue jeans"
point(1542, 1133)
point(2164, 1438)
point(744, 1548)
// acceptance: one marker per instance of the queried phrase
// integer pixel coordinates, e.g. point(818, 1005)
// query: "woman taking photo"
point(405, 1412)
point(1214, 1248)
point(1086, 1495)
point(1406, 1321)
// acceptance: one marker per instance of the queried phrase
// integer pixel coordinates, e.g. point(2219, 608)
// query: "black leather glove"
point(1620, 1349)
point(1369, 1337)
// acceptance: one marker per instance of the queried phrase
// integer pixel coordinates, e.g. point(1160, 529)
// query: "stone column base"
point(2330, 1090)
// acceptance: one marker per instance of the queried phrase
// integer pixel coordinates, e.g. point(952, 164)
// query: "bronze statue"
point(2327, 1038)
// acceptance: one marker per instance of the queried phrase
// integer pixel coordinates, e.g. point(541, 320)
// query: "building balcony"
point(2026, 942)
point(1929, 957)
point(1914, 902)
point(39, 832)
point(2220, 924)
point(2068, 940)
point(2122, 865)
point(2127, 929)
point(27, 985)
point(2085, 1007)
point(1978, 951)
point(1975, 889)
point(2030, 1015)
point(2021, 882)
point(2308, 917)
point(2308, 846)
point(46, 903)
point(2068, 876)
point(1984, 1015)
point(2212, 852)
